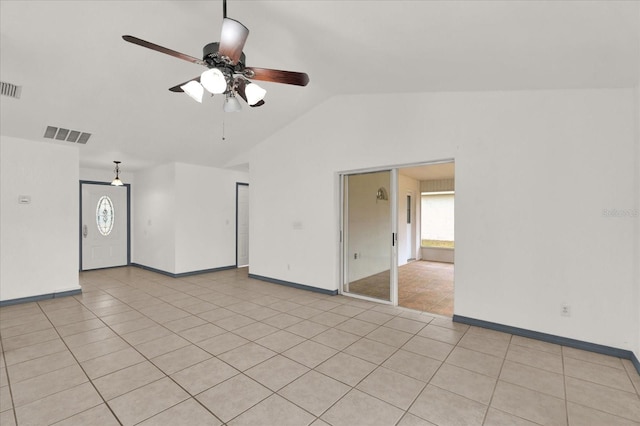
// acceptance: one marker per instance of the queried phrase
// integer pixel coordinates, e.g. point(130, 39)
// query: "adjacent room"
point(416, 270)
point(426, 270)
point(237, 212)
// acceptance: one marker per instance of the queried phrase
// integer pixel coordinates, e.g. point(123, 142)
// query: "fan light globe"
point(194, 90)
point(231, 104)
point(254, 93)
point(213, 80)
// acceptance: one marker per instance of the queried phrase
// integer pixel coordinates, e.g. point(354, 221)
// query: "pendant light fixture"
point(116, 181)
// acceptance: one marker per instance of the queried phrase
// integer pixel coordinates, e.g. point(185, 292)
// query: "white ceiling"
point(78, 73)
point(430, 171)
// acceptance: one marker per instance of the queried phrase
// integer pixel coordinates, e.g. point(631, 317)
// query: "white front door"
point(104, 226)
point(242, 225)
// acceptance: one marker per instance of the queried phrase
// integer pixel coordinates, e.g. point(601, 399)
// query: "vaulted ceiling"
point(76, 71)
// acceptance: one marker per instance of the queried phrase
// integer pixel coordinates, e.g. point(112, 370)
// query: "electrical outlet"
point(565, 311)
point(355, 256)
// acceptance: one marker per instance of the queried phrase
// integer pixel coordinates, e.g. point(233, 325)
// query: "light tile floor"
point(141, 348)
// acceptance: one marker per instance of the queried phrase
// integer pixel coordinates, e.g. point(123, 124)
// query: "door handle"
point(85, 231)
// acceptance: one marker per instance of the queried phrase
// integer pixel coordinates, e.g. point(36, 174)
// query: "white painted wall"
point(534, 171)
point(438, 254)
point(154, 218)
point(184, 217)
point(38, 241)
point(406, 184)
point(205, 217)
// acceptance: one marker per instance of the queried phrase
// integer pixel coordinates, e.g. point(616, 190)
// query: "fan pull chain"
point(223, 128)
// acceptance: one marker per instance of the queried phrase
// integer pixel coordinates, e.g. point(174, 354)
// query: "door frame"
point(344, 235)
point(92, 182)
point(238, 185)
point(412, 229)
point(393, 196)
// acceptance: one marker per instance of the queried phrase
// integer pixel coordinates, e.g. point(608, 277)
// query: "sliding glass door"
point(369, 235)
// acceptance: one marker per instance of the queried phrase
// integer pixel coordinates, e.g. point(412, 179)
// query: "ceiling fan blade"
point(232, 39)
point(178, 88)
point(241, 92)
point(277, 76)
point(157, 48)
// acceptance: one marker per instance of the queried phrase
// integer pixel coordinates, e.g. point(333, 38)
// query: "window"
point(408, 209)
point(105, 215)
point(437, 219)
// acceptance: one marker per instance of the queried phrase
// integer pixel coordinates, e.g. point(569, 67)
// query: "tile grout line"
point(436, 372)
point(6, 369)
point(80, 366)
point(495, 386)
point(147, 290)
point(147, 359)
point(214, 356)
point(565, 376)
point(354, 387)
point(263, 399)
point(311, 369)
point(249, 377)
point(564, 382)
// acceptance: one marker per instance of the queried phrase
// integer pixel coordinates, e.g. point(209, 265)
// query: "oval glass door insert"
point(105, 215)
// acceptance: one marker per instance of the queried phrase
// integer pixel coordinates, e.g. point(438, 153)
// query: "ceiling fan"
point(226, 70)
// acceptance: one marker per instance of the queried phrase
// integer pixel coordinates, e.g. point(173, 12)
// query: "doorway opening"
point(397, 243)
point(242, 224)
point(426, 275)
point(105, 219)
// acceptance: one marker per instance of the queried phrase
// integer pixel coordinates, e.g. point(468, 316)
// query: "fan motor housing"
point(214, 60)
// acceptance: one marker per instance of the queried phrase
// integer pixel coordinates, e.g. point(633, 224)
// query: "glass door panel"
point(368, 235)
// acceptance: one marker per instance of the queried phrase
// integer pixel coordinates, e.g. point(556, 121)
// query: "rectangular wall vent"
point(50, 132)
point(66, 135)
point(62, 134)
point(11, 90)
point(73, 136)
point(84, 138)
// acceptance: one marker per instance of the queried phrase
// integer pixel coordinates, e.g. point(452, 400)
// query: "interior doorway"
point(105, 240)
point(242, 224)
point(385, 254)
point(426, 281)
